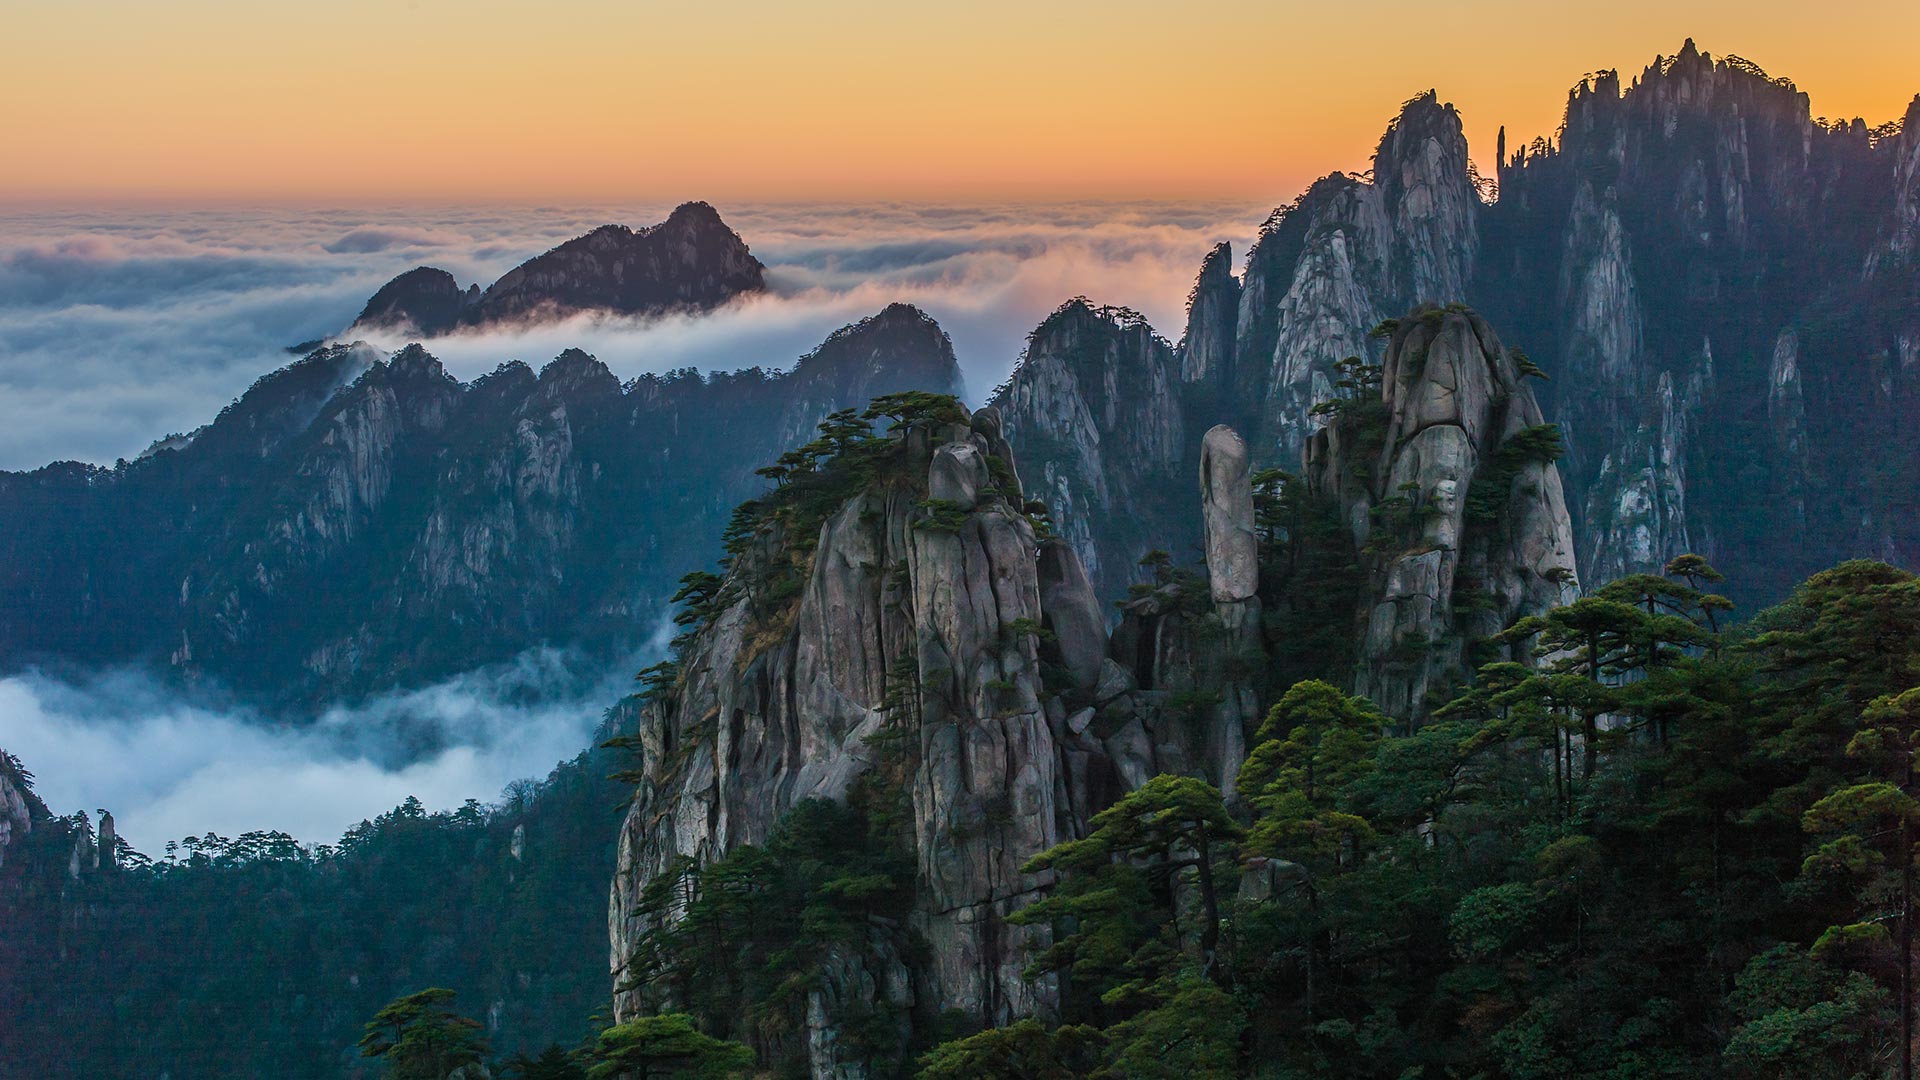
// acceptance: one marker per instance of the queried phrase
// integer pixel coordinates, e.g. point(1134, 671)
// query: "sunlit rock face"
point(983, 645)
point(767, 714)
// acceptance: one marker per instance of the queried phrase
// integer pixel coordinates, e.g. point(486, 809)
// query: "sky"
point(597, 100)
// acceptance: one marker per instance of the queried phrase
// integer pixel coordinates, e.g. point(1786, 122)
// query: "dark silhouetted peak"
point(415, 364)
point(1081, 313)
point(899, 348)
point(690, 262)
point(425, 299)
point(576, 372)
point(1213, 308)
point(695, 214)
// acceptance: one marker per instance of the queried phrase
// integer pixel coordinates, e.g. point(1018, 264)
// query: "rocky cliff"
point(1095, 403)
point(19, 807)
point(891, 617)
point(931, 613)
point(690, 262)
point(1454, 505)
point(1723, 288)
point(1720, 284)
point(358, 521)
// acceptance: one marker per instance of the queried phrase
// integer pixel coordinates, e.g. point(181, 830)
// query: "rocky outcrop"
point(1454, 503)
point(424, 300)
point(933, 616)
point(1711, 275)
point(1095, 401)
point(1350, 251)
point(326, 531)
point(1691, 231)
point(754, 727)
point(15, 821)
point(690, 262)
point(1213, 310)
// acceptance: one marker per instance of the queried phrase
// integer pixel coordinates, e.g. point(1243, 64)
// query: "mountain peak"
point(425, 298)
point(692, 261)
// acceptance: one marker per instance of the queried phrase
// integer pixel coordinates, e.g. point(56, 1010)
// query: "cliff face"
point(1351, 251)
point(753, 727)
point(16, 816)
point(932, 612)
point(932, 615)
point(355, 521)
point(690, 262)
point(1723, 289)
point(1454, 503)
point(1096, 405)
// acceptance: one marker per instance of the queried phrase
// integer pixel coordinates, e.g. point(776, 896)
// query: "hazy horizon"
point(120, 328)
point(1231, 100)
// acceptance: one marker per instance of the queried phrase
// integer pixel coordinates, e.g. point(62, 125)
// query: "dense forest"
point(1674, 848)
point(258, 956)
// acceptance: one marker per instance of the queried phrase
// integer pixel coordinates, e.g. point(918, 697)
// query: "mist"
point(119, 328)
point(170, 764)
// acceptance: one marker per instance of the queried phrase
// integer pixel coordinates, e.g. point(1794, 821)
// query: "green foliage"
point(1025, 1050)
point(420, 1037)
point(1804, 1020)
point(667, 1047)
point(1310, 580)
point(253, 955)
point(553, 1063)
point(1649, 853)
point(1492, 486)
point(1356, 390)
point(939, 515)
point(738, 942)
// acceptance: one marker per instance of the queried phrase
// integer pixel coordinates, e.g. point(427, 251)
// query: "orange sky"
point(351, 100)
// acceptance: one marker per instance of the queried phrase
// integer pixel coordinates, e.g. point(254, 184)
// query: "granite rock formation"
point(1723, 288)
point(1454, 504)
point(931, 610)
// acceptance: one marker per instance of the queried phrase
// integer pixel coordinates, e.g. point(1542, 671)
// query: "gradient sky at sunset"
point(581, 99)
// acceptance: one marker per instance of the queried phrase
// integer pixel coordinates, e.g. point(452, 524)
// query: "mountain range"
point(1429, 415)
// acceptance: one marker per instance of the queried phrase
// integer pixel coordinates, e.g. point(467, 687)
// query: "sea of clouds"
point(171, 764)
point(118, 327)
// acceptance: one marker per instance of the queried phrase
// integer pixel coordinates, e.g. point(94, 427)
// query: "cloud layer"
point(117, 328)
point(170, 766)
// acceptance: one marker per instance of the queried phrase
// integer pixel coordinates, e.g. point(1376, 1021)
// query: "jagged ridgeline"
point(358, 521)
point(1724, 288)
point(902, 687)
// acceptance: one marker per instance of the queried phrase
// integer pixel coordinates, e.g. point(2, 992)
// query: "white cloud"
point(117, 328)
point(170, 765)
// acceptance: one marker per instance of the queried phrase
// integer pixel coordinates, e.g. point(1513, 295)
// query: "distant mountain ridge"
point(690, 262)
point(357, 521)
